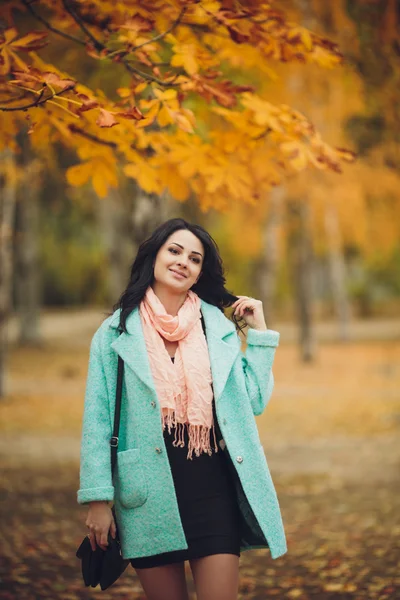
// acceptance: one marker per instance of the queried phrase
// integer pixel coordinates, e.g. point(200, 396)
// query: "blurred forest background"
point(256, 145)
point(315, 245)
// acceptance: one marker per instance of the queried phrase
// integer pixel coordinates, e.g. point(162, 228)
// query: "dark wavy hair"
point(210, 286)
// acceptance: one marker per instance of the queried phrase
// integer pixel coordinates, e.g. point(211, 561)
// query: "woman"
point(192, 481)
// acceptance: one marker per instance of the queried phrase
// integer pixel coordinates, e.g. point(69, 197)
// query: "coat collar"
point(131, 346)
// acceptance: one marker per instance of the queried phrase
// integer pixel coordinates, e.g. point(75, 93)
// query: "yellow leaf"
point(145, 175)
point(124, 92)
point(166, 95)
point(178, 188)
point(306, 39)
point(9, 35)
point(30, 41)
point(140, 88)
point(164, 117)
point(186, 58)
point(149, 116)
point(184, 123)
point(148, 104)
point(170, 94)
point(78, 175)
point(99, 184)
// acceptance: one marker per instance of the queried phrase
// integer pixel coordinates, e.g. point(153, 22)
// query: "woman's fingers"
point(113, 529)
point(237, 306)
point(92, 541)
point(99, 538)
point(102, 540)
point(99, 521)
point(245, 303)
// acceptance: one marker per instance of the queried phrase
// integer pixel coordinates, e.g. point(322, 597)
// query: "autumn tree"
point(171, 55)
point(190, 115)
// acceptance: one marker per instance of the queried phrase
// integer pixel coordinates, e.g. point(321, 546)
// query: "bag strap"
point(203, 324)
point(117, 415)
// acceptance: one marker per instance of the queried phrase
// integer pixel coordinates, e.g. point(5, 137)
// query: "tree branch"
point(50, 27)
point(97, 44)
point(37, 102)
point(161, 35)
point(147, 76)
point(100, 46)
point(90, 136)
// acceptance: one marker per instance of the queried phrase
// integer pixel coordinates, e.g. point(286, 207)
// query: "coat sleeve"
point(257, 366)
point(95, 464)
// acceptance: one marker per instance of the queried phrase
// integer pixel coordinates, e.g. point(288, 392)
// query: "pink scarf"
point(184, 387)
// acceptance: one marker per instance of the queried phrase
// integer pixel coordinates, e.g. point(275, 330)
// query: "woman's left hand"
point(251, 310)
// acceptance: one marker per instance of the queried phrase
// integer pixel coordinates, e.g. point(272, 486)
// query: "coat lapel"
point(222, 354)
point(131, 346)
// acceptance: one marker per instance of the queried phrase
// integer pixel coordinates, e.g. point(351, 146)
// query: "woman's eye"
point(175, 251)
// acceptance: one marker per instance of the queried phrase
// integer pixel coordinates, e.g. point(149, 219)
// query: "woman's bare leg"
point(216, 577)
point(164, 583)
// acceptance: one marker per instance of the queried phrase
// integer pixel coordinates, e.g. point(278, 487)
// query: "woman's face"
point(179, 261)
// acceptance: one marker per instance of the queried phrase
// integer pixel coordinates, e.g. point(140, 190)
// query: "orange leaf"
point(132, 113)
point(106, 118)
point(346, 155)
point(87, 103)
point(54, 79)
point(237, 36)
point(137, 23)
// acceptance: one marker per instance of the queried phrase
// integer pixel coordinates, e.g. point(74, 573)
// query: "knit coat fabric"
point(142, 487)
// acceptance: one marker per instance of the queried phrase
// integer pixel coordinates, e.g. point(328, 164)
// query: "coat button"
point(239, 459)
point(153, 404)
point(158, 450)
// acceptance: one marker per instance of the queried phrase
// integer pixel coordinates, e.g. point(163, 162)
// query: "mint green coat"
point(143, 490)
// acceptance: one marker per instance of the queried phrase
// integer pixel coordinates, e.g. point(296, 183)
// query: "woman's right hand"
point(100, 521)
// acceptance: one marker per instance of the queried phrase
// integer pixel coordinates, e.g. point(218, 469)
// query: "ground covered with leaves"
point(331, 435)
point(343, 542)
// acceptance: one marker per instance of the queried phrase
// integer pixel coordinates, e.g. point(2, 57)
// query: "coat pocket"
point(131, 481)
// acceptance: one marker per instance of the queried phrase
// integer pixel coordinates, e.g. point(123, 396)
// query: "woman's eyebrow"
point(193, 251)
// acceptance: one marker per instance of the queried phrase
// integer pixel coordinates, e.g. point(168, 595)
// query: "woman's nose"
point(182, 261)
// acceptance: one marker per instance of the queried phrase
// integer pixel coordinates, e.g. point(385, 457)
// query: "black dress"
point(206, 501)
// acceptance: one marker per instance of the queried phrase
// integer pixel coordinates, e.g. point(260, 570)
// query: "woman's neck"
point(171, 302)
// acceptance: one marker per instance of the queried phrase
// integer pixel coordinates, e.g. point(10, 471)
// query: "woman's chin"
point(175, 285)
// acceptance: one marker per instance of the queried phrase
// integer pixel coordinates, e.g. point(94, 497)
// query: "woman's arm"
point(257, 366)
point(259, 357)
point(95, 466)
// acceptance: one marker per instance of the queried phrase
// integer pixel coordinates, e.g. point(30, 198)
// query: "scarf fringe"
point(199, 435)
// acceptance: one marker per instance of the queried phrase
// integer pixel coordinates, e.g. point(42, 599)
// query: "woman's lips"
point(178, 274)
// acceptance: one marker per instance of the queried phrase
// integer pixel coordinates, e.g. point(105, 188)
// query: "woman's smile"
point(179, 275)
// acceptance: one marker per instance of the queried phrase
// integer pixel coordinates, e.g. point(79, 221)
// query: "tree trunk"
point(302, 269)
point(127, 217)
point(337, 270)
point(333, 93)
point(148, 211)
point(115, 229)
point(267, 267)
point(314, 105)
point(7, 215)
point(28, 274)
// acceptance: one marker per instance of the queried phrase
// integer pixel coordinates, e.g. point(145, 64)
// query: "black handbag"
point(100, 566)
